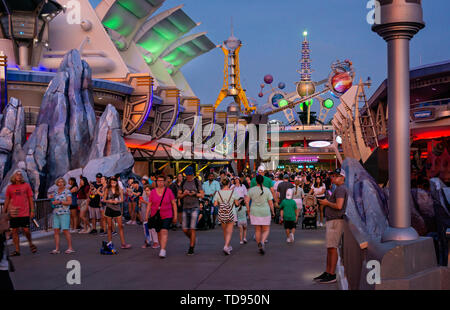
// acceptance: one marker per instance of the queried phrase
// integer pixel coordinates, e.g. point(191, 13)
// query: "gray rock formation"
point(367, 205)
point(12, 134)
point(67, 109)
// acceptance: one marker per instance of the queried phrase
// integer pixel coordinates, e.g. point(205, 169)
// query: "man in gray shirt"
point(334, 209)
point(190, 192)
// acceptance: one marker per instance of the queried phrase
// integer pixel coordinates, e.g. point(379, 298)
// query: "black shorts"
point(289, 224)
point(164, 224)
point(75, 207)
point(17, 222)
point(112, 213)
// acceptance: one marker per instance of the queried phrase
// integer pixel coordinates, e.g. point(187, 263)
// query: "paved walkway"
point(284, 267)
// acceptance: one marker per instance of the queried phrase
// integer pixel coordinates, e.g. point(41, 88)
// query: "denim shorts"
point(61, 221)
point(190, 217)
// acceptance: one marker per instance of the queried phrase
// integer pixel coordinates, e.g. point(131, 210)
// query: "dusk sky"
point(271, 32)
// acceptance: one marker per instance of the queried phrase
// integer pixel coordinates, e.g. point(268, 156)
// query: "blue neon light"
point(176, 119)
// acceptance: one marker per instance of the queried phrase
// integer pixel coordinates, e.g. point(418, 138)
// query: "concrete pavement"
point(284, 267)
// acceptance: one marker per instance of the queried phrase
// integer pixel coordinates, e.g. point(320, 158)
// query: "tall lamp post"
point(398, 21)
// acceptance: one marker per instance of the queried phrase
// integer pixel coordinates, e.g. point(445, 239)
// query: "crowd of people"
point(162, 203)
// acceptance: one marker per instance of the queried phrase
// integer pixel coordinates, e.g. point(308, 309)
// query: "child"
point(242, 221)
point(289, 215)
point(5, 264)
point(149, 234)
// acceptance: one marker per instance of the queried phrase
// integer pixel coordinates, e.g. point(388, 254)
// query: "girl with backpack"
point(225, 200)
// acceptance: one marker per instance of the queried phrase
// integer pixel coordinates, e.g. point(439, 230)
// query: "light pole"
point(399, 21)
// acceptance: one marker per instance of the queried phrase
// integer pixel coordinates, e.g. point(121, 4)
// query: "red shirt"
point(19, 198)
point(166, 210)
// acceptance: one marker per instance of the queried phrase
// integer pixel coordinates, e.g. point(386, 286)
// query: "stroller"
point(309, 212)
point(205, 222)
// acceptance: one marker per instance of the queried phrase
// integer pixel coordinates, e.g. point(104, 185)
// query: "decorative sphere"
point(328, 103)
point(262, 85)
point(268, 79)
point(341, 82)
point(232, 43)
point(283, 103)
point(260, 95)
point(305, 88)
point(281, 85)
point(275, 99)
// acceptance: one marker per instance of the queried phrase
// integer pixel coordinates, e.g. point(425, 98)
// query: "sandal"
point(15, 253)
point(55, 252)
point(69, 251)
point(33, 248)
point(125, 246)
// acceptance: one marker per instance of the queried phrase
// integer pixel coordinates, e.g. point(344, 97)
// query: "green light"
point(283, 103)
point(170, 71)
point(328, 103)
point(309, 102)
point(147, 59)
point(305, 33)
point(120, 45)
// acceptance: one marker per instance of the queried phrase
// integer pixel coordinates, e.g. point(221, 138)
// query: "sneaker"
point(93, 232)
point(134, 223)
point(292, 237)
point(155, 245)
point(162, 253)
point(114, 233)
point(288, 240)
point(322, 276)
point(320, 224)
point(242, 242)
point(129, 222)
point(329, 278)
point(190, 251)
point(245, 240)
point(261, 248)
point(227, 251)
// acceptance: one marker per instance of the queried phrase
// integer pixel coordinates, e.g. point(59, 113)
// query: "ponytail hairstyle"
point(260, 181)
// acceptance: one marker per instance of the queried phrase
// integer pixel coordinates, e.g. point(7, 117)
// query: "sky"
point(271, 32)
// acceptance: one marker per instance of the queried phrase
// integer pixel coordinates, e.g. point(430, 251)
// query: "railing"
point(43, 215)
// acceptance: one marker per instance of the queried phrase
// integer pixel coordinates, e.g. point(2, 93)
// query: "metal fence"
point(43, 215)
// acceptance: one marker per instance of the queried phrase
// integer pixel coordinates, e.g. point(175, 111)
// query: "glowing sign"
point(319, 144)
point(305, 159)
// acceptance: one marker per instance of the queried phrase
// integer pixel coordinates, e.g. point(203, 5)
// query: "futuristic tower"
point(231, 76)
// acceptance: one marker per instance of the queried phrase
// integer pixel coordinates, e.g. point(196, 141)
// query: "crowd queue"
point(162, 203)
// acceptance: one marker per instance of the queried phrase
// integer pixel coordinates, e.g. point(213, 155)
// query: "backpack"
point(226, 214)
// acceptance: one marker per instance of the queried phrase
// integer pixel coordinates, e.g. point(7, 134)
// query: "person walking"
point(289, 215)
point(318, 190)
point(261, 211)
point(334, 209)
point(73, 187)
point(82, 199)
point(162, 210)
point(61, 200)
point(20, 206)
point(175, 187)
point(113, 197)
point(5, 264)
point(224, 200)
point(281, 195)
point(190, 193)
point(210, 188)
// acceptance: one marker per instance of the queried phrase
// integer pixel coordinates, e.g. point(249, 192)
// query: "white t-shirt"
point(240, 191)
point(317, 190)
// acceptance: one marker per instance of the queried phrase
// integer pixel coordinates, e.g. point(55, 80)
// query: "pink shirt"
point(166, 210)
point(19, 195)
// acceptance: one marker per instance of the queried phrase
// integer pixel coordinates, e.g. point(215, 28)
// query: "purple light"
point(148, 110)
point(305, 159)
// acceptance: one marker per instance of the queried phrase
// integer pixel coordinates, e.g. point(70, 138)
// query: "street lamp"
point(399, 21)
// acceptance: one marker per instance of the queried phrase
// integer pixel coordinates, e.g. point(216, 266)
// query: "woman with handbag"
point(225, 200)
point(162, 209)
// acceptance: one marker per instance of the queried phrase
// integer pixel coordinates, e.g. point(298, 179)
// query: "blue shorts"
point(61, 221)
point(190, 217)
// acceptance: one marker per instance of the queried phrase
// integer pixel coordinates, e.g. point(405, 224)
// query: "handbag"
point(155, 221)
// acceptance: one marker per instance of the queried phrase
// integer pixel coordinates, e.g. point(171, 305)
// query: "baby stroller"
point(309, 212)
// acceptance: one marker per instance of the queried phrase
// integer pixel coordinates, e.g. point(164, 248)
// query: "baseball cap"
point(98, 175)
point(286, 176)
point(340, 171)
point(189, 171)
